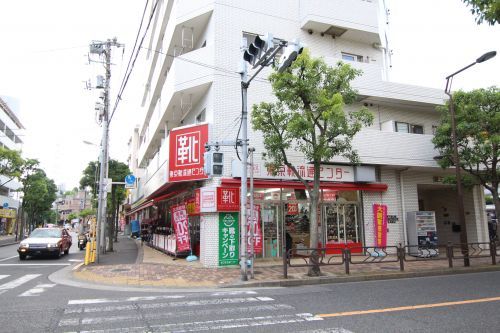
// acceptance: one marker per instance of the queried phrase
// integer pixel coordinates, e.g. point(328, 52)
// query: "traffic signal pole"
point(245, 82)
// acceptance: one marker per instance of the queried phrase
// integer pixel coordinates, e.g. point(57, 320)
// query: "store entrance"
point(341, 227)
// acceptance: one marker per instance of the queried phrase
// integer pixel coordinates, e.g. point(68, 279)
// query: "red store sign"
point(187, 145)
point(219, 199)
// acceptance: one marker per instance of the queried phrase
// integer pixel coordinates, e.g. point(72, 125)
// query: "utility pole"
point(105, 49)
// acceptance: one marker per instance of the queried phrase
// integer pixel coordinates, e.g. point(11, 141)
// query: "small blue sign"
point(130, 179)
point(5, 205)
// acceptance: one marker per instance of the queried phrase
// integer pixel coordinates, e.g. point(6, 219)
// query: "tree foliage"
point(117, 171)
point(485, 10)
point(478, 137)
point(11, 163)
point(309, 118)
point(39, 193)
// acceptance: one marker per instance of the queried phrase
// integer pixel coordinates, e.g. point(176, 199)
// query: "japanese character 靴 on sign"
point(187, 145)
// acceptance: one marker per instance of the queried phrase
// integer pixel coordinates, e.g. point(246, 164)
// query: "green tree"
point(90, 178)
point(72, 216)
point(478, 137)
point(485, 10)
point(309, 118)
point(39, 194)
point(117, 171)
point(11, 163)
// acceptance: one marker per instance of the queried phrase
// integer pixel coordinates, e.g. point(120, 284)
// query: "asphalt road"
point(30, 302)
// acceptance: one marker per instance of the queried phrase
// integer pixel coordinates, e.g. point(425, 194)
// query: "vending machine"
point(422, 234)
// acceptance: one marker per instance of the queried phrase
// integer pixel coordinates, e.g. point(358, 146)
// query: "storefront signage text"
point(332, 173)
point(380, 224)
point(8, 213)
point(228, 239)
point(257, 230)
point(219, 199)
point(180, 222)
point(187, 145)
point(228, 199)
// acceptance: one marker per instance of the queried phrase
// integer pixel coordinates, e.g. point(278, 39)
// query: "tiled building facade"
point(189, 75)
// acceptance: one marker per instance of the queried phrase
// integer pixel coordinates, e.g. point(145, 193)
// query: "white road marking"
point(8, 258)
point(328, 330)
point(110, 308)
point(37, 290)
point(75, 260)
point(17, 282)
point(219, 324)
point(205, 302)
point(119, 300)
point(236, 292)
point(3, 276)
point(166, 315)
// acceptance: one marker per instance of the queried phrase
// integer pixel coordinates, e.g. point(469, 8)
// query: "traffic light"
point(214, 163)
point(259, 49)
point(290, 54)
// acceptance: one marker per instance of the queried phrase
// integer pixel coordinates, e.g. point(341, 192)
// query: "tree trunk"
point(496, 201)
point(314, 269)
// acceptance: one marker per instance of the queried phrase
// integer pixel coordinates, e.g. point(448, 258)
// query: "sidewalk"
point(133, 265)
point(7, 240)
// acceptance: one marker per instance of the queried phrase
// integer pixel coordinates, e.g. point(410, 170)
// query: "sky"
point(44, 64)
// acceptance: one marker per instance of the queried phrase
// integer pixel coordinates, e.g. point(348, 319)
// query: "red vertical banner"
point(257, 230)
point(380, 224)
point(180, 222)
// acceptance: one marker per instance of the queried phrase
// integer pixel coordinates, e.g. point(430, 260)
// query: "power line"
point(127, 75)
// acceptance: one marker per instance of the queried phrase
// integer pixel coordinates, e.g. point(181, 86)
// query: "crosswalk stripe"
point(219, 324)
point(36, 291)
point(166, 315)
point(17, 282)
point(119, 300)
point(5, 259)
point(94, 309)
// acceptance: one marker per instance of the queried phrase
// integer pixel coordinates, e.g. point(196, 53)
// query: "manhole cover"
point(120, 270)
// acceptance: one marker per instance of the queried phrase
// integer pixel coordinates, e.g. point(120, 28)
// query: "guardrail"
point(318, 257)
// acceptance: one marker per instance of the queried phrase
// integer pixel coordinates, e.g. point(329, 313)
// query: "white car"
point(45, 241)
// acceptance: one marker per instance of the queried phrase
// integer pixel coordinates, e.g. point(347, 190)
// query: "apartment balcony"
point(180, 37)
point(355, 20)
point(394, 148)
point(188, 82)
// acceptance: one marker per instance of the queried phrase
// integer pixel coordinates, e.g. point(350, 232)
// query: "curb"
point(361, 278)
point(7, 244)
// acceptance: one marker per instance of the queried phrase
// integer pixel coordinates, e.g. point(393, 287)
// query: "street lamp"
point(456, 158)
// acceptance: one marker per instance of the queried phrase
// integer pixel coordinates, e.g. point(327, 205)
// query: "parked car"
point(45, 241)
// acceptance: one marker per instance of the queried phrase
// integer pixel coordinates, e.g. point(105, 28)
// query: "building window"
point(409, 128)
point(352, 57)
point(200, 118)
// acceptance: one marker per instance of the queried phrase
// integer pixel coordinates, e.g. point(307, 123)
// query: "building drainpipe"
point(403, 209)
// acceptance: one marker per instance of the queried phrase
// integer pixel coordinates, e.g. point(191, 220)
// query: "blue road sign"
point(130, 179)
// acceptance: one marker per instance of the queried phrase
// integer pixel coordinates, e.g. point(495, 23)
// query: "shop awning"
point(145, 204)
point(270, 183)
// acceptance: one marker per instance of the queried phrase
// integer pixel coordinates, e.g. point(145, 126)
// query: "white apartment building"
point(10, 127)
point(188, 76)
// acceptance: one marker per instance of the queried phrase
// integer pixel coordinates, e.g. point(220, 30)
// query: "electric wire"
point(135, 42)
point(127, 75)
